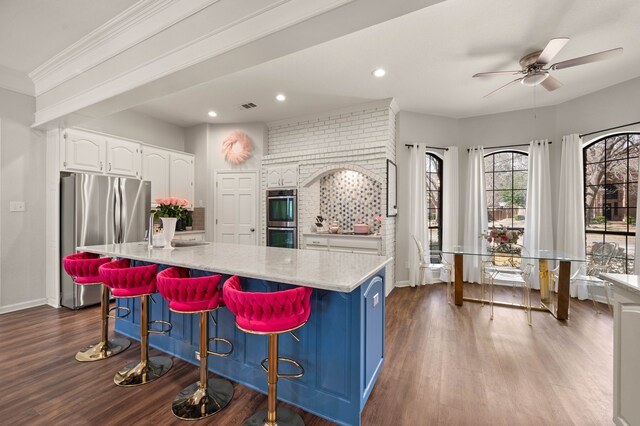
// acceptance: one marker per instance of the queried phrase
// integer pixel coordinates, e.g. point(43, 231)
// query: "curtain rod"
point(610, 128)
point(410, 145)
point(508, 146)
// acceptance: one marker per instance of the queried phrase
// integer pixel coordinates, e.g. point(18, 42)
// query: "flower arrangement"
point(170, 207)
point(502, 235)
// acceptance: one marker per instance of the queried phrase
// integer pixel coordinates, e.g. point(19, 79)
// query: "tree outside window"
point(610, 194)
point(506, 189)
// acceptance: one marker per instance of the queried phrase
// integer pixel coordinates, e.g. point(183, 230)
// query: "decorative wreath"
point(237, 156)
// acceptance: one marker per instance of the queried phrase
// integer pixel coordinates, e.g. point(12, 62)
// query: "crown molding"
point(131, 27)
point(273, 17)
point(16, 81)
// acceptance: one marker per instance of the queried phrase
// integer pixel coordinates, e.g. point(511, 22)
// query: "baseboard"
point(54, 303)
point(22, 305)
point(402, 283)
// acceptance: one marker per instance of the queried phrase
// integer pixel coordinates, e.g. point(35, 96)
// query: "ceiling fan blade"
point(554, 46)
point(551, 83)
point(502, 87)
point(594, 57)
point(486, 74)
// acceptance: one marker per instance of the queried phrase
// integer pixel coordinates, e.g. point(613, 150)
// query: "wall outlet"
point(16, 206)
point(200, 203)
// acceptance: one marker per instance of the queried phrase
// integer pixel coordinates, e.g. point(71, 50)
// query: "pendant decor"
point(237, 148)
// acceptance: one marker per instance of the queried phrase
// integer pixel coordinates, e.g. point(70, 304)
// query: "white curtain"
point(475, 222)
point(570, 235)
point(636, 263)
point(538, 225)
point(417, 210)
point(450, 204)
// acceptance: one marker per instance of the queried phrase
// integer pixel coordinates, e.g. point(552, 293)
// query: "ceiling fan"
point(536, 69)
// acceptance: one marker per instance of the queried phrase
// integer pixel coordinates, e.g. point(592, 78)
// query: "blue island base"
point(341, 346)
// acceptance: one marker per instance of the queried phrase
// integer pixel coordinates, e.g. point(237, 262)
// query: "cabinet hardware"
point(101, 165)
point(252, 229)
point(109, 166)
point(64, 164)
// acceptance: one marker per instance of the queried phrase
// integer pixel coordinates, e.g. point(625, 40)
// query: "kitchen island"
point(341, 346)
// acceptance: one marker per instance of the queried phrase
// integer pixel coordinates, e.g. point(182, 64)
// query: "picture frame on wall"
point(392, 189)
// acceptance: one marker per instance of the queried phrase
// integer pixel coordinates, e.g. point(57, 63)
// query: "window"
point(610, 193)
point(434, 202)
point(506, 185)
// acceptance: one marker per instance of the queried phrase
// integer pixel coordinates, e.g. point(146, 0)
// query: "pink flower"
point(489, 240)
point(184, 202)
point(161, 201)
point(493, 233)
point(504, 239)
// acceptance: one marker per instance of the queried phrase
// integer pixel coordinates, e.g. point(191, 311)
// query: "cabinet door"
point(83, 151)
point(181, 177)
point(289, 176)
point(155, 168)
point(274, 176)
point(123, 158)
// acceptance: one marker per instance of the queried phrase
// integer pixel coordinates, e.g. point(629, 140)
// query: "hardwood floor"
point(445, 365)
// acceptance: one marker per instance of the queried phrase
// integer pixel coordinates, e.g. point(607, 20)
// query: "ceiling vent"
point(248, 105)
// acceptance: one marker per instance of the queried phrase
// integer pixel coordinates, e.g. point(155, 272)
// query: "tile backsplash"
point(349, 197)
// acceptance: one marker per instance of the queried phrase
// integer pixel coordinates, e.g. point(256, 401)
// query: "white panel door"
point(83, 151)
point(274, 177)
point(155, 168)
point(289, 176)
point(123, 158)
point(181, 177)
point(236, 207)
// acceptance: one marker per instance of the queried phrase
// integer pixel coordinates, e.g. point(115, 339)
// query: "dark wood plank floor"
point(444, 365)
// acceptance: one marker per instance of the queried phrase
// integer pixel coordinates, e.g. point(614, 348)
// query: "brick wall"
point(360, 138)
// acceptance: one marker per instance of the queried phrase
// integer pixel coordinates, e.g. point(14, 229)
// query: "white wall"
point(135, 125)
point(205, 142)
point(609, 107)
point(22, 235)
point(416, 128)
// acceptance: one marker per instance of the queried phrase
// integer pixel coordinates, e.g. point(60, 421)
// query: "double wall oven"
point(282, 218)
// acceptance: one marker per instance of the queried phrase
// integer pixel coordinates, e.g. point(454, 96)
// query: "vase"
point(168, 229)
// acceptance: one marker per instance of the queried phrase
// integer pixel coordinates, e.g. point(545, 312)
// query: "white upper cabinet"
point(123, 158)
point(181, 176)
point(155, 168)
point(282, 176)
point(83, 151)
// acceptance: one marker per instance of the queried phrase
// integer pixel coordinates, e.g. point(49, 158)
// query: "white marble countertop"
point(628, 282)
point(334, 271)
point(328, 234)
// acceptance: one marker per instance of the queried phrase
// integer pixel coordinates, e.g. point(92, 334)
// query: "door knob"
point(252, 229)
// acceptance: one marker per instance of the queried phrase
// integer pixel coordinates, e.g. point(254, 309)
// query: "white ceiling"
point(430, 56)
point(33, 31)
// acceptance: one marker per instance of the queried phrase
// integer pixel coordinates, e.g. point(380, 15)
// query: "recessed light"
point(379, 72)
point(281, 97)
point(212, 114)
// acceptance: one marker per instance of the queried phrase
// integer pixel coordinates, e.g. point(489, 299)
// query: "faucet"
point(150, 232)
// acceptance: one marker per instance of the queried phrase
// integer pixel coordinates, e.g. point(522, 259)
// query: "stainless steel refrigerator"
point(98, 209)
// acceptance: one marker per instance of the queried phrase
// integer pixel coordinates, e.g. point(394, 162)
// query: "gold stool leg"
point(147, 369)
point(106, 347)
point(207, 396)
point(274, 416)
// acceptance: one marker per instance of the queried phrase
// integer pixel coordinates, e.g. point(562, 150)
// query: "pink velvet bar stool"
point(270, 314)
point(126, 281)
point(200, 296)
point(83, 269)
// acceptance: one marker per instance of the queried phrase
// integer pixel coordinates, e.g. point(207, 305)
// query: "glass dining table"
point(554, 300)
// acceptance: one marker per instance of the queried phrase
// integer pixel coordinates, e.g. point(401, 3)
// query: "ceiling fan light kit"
point(536, 70)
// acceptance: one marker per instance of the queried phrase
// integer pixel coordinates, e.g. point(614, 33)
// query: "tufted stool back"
point(186, 294)
point(273, 312)
point(126, 281)
point(83, 267)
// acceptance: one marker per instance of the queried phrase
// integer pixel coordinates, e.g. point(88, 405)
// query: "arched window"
point(434, 201)
point(610, 193)
point(506, 186)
